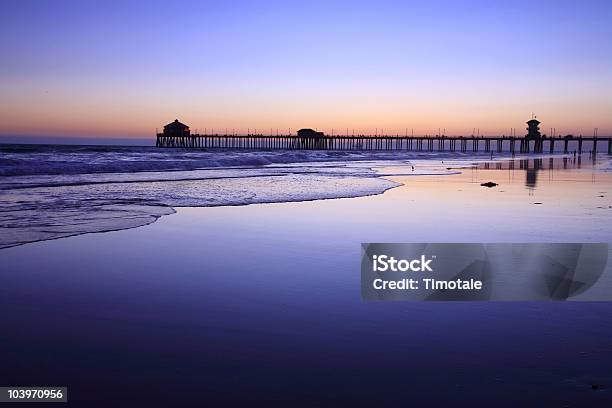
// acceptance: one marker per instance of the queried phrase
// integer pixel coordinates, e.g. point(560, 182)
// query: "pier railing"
point(497, 144)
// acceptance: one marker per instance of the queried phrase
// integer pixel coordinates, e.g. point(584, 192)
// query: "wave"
point(49, 192)
point(41, 213)
point(24, 160)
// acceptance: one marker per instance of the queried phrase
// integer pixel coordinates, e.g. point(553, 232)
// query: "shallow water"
point(49, 192)
point(230, 305)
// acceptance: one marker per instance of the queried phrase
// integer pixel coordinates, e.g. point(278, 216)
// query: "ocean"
point(53, 191)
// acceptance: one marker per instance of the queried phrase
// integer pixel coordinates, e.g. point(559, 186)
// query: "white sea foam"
point(50, 192)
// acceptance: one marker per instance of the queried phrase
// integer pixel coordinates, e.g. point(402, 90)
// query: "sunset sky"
point(123, 69)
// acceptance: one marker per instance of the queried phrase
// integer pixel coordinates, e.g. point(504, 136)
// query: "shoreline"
point(386, 175)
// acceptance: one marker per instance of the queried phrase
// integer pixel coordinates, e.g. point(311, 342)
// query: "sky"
point(124, 69)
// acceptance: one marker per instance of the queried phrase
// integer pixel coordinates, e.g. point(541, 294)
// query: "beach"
point(306, 204)
point(253, 300)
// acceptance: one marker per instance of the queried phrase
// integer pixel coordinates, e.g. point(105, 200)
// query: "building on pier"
point(308, 133)
point(311, 139)
point(176, 129)
point(533, 130)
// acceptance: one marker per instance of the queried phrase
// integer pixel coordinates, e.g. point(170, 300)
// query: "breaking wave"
point(49, 192)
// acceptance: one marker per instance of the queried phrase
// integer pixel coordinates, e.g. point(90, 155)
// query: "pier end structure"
point(533, 135)
point(173, 130)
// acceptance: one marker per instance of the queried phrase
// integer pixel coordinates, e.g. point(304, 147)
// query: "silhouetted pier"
point(499, 144)
point(177, 134)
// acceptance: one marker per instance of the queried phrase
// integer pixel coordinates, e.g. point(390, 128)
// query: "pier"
point(178, 135)
point(498, 144)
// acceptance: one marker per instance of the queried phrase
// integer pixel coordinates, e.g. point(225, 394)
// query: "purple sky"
point(122, 69)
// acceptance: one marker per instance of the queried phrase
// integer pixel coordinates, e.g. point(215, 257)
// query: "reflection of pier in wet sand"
point(550, 163)
point(533, 166)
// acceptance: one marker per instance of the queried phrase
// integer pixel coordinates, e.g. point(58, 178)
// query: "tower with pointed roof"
point(533, 129)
